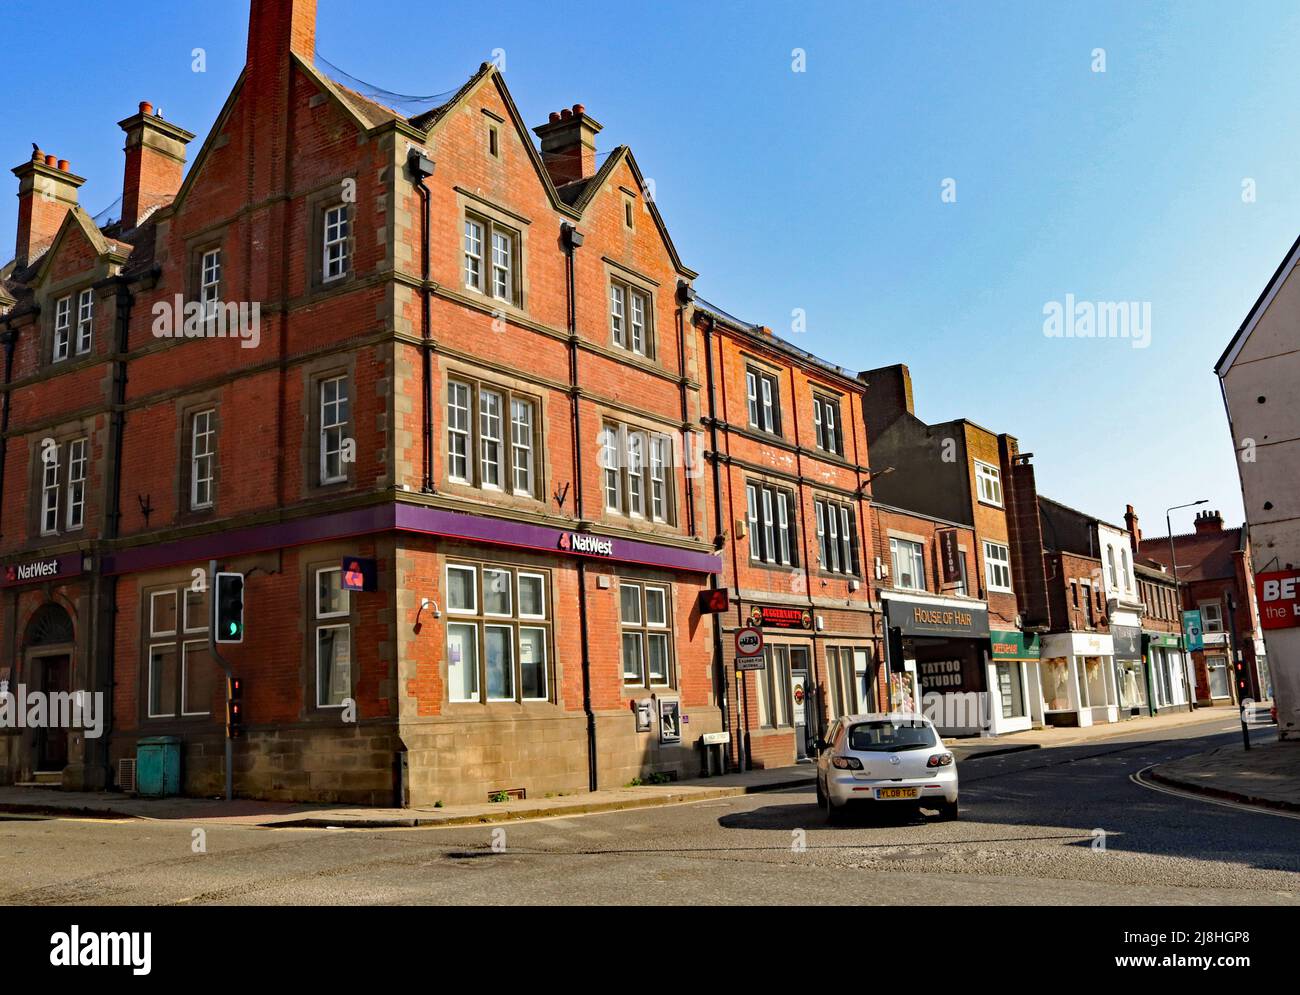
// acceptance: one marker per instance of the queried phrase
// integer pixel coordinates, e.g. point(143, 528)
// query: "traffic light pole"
point(212, 648)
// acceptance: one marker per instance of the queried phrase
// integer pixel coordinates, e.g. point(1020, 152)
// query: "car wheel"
point(835, 814)
point(949, 811)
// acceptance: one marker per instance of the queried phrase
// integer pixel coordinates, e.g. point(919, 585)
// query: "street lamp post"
point(1182, 627)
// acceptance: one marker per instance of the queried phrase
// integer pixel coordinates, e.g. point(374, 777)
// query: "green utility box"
point(158, 766)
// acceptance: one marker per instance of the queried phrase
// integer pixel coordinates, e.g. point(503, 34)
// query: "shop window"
point(492, 438)
point(826, 425)
point(182, 677)
point(836, 537)
point(988, 478)
point(635, 464)
point(1055, 676)
point(499, 634)
point(908, 564)
point(849, 683)
point(775, 707)
point(997, 567)
point(772, 527)
point(647, 652)
point(764, 399)
point(333, 639)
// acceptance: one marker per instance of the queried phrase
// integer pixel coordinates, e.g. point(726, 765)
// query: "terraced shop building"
point(790, 485)
point(461, 358)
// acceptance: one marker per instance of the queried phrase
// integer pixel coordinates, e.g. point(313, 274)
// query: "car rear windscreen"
point(891, 737)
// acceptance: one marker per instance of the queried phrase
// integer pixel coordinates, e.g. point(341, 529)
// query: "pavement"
point(1268, 775)
point(281, 815)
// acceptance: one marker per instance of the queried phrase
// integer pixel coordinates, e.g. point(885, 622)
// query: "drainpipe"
point(572, 238)
point(10, 339)
point(686, 294)
point(421, 167)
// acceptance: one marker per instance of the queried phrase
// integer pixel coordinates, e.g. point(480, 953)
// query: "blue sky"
point(821, 190)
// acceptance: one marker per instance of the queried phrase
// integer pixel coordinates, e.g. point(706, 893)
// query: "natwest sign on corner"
point(35, 571)
point(1279, 599)
point(586, 543)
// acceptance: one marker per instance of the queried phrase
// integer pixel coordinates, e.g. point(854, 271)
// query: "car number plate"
point(897, 793)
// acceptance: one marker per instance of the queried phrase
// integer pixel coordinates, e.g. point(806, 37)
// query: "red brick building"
point(1216, 576)
point(787, 455)
point(462, 358)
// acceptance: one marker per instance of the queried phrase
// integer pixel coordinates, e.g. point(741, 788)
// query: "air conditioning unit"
point(126, 775)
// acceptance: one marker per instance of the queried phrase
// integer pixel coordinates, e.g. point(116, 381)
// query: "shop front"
point(1131, 683)
point(1077, 678)
point(939, 661)
point(1014, 675)
point(1167, 680)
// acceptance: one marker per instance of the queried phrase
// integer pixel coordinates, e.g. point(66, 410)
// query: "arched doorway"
point(47, 652)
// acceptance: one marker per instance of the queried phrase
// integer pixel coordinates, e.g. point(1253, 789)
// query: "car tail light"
point(846, 763)
point(939, 760)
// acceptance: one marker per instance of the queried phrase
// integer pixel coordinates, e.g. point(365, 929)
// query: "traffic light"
point(235, 707)
point(230, 608)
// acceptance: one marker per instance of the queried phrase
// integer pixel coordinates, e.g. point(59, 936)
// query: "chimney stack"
point(569, 144)
point(47, 191)
point(1208, 521)
point(155, 163)
point(1134, 533)
point(276, 28)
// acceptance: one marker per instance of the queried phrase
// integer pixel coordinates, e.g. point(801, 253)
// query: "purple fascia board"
point(257, 539)
point(501, 532)
point(400, 518)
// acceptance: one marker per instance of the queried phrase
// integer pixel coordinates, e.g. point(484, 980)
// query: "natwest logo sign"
point(38, 570)
point(590, 545)
point(1279, 599)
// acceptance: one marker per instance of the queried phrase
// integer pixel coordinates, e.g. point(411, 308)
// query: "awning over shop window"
point(1015, 645)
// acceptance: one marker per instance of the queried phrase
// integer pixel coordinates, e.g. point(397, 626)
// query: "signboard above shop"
point(1279, 599)
point(45, 568)
point(1014, 645)
point(941, 619)
point(777, 617)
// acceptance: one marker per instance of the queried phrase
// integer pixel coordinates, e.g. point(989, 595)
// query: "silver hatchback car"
point(884, 757)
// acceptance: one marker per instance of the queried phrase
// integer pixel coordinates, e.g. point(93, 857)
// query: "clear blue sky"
point(821, 190)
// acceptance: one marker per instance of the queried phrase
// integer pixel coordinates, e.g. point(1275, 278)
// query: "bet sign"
point(1279, 599)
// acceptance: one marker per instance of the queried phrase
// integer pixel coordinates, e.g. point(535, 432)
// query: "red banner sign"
point(1279, 599)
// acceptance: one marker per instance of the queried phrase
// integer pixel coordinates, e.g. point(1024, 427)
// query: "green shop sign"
point(1014, 645)
point(1163, 640)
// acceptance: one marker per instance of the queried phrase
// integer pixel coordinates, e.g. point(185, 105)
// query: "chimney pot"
point(146, 107)
point(566, 114)
point(63, 165)
point(578, 109)
point(555, 116)
point(51, 159)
